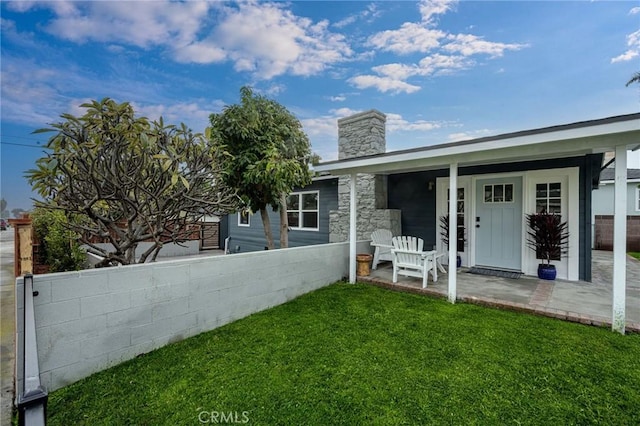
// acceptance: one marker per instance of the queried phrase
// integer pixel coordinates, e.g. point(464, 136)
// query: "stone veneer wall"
point(360, 135)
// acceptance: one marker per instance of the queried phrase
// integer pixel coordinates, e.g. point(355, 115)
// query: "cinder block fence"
point(90, 320)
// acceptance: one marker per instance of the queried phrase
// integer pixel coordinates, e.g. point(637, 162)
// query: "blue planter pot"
point(458, 261)
point(547, 272)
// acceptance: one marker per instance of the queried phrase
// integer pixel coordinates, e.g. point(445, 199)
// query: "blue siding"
point(409, 193)
point(251, 238)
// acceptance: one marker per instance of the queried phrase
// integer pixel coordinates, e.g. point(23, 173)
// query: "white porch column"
point(352, 227)
point(620, 240)
point(453, 230)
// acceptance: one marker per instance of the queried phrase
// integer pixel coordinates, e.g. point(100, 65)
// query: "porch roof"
point(581, 138)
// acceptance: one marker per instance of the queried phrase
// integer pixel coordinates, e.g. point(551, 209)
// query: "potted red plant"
point(548, 236)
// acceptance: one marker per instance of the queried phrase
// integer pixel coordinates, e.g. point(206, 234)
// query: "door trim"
point(474, 200)
point(509, 178)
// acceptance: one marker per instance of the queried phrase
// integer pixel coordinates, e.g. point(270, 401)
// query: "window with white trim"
point(638, 198)
point(244, 218)
point(498, 193)
point(460, 220)
point(549, 197)
point(303, 211)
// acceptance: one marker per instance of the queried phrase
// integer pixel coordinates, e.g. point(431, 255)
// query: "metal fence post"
point(32, 398)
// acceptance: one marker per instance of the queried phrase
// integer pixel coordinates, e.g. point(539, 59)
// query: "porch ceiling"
point(575, 139)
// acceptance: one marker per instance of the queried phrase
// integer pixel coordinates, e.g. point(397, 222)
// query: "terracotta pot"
point(364, 262)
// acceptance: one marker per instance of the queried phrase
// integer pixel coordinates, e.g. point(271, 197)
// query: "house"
point(308, 212)
point(498, 180)
point(602, 210)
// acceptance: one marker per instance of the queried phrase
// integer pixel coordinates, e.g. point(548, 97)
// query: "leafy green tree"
point(60, 247)
point(126, 180)
point(634, 79)
point(265, 155)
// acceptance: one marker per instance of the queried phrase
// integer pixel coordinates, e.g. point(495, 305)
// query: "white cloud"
point(27, 95)
point(469, 44)
point(142, 24)
point(382, 84)
point(34, 94)
point(410, 38)
point(326, 125)
point(633, 42)
point(463, 136)
point(442, 64)
point(430, 8)
point(265, 39)
point(395, 123)
point(275, 89)
point(447, 52)
point(634, 11)
point(199, 53)
point(194, 114)
point(369, 15)
point(339, 98)
point(392, 77)
point(397, 71)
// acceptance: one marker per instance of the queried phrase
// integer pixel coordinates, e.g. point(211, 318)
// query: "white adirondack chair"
point(411, 261)
point(381, 240)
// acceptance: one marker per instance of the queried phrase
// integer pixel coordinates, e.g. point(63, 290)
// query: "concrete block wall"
point(185, 248)
point(89, 320)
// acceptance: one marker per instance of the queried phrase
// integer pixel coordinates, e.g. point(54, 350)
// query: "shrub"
point(60, 248)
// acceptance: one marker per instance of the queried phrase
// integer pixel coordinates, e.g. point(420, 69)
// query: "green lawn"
point(635, 254)
point(358, 354)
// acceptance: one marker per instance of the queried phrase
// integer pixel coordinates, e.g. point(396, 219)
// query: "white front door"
point(498, 223)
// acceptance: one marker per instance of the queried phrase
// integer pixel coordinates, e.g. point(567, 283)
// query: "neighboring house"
point(602, 210)
point(499, 180)
point(308, 213)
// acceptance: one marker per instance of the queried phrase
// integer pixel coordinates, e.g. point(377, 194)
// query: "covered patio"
point(576, 301)
point(568, 156)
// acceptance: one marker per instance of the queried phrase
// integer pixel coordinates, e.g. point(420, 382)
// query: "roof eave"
point(568, 141)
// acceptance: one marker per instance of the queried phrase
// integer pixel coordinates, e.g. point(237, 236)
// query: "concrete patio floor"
point(584, 302)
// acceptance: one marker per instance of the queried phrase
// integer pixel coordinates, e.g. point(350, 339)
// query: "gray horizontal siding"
point(410, 193)
point(251, 238)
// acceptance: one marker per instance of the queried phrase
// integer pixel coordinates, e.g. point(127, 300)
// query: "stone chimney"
point(361, 135)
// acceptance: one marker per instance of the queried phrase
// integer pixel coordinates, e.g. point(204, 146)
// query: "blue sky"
point(441, 70)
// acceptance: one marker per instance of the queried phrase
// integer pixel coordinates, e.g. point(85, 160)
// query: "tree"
point(634, 79)
point(123, 180)
point(265, 155)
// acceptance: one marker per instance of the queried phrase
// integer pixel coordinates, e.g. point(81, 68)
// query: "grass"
point(635, 254)
point(357, 354)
